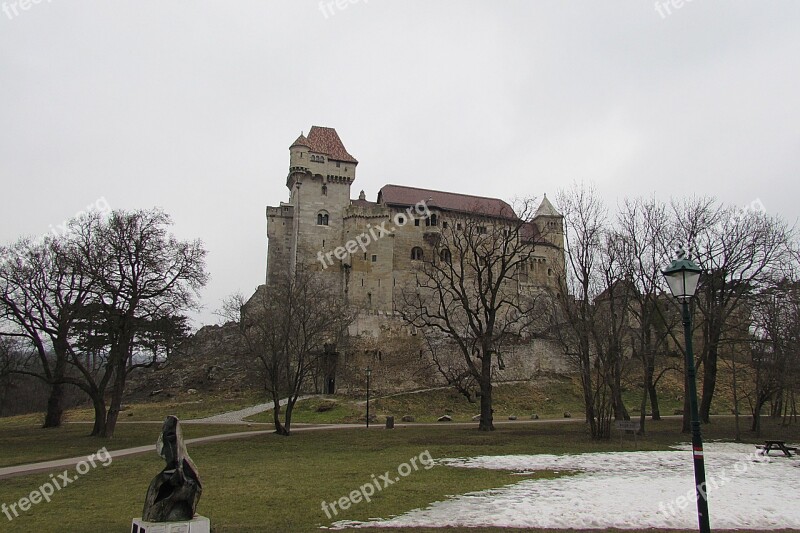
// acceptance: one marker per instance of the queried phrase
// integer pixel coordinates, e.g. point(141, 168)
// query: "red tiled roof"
point(326, 141)
point(464, 203)
point(301, 141)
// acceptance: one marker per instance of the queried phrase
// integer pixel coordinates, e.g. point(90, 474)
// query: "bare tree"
point(739, 251)
point(141, 276)
point(643, 226)
point(593, 320)
point(290, 327)
point(468, 294)
point(41, 297)
point(775, 357)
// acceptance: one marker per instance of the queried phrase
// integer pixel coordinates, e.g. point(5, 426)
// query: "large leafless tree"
point(291, 327)
point(592, 318)
point(467, 300)
point(102, 296)
point(41, 297)
point(739, 251)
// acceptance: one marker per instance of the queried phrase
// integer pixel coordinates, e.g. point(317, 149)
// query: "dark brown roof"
point(530, 232)
point(463, 203)
point(326, 141)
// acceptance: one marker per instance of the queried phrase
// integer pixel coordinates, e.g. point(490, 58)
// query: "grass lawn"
point(549, 399)
point(271, 483)
point(185, 406)
point(22, 440)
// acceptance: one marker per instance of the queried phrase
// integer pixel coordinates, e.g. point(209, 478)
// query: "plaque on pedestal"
point(198, 524)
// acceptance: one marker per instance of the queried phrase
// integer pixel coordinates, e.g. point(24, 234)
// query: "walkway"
point(238, 417)
point(32, 468)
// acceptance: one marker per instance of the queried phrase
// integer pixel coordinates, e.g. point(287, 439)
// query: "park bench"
point(778, 445)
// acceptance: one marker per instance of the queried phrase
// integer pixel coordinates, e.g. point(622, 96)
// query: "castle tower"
point(550, 223)
point(320, 174)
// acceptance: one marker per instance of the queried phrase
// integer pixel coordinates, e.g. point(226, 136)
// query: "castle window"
point(444, 225)
point(322, 218)
point(401, 220)
point(374, 258)
point(444, 255)
point(416, 253)
point(324, 190)
point(432, 221)
point(338, 164)
point(549, 271)
point(416, 222)
point(365, 256)
point(481, 230)
point(458, 226)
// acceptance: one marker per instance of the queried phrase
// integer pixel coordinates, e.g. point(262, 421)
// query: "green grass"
point(270, 483)
point(549, 399)
point(185, 407)
point(23, 441)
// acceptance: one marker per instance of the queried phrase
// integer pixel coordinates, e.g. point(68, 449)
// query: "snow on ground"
point(624, 490)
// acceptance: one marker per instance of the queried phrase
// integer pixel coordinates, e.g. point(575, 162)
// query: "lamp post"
point(682, 277)
point(369, 372)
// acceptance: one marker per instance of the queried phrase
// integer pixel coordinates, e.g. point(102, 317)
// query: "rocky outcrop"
point(211, 360)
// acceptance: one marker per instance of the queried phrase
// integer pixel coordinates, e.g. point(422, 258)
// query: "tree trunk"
point(654, 402)
point(288, 416)
point(756, 427)
point(709, 380)
point(276, 418)
point(487, 418)
point(116, 398)
point(99, 404)
point(55, 403)
point(588, 395)
point(55, 407)
point(620, 412)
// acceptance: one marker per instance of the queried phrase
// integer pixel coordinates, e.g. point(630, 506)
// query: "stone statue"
point(174, 492)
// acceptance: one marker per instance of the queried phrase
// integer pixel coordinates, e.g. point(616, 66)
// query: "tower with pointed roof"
point(319, 220)
point(321, 171)
point(321, 225)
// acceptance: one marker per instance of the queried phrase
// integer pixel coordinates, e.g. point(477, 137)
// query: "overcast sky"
point(191, 106)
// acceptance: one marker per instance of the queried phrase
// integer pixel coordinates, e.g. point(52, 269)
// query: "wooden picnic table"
point(780, 445)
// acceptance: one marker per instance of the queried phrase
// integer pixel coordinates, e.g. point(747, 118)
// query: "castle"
point(367, 250)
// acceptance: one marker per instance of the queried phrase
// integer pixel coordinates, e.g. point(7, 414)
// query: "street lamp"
point(682, 277)
point(369, 372)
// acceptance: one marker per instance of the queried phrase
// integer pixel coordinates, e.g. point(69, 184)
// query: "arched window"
point(444, 255)
point(416, 254)
point(322, 218)
point(324, 190)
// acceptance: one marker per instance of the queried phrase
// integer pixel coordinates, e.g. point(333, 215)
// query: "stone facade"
point(367, 250)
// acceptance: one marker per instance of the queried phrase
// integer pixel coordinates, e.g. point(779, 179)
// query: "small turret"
point(550, 223)
point(298, 154)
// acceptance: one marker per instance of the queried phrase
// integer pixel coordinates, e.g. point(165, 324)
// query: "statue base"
point(198, 524)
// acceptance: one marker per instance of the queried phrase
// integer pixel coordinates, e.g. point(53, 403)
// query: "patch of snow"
point(625, 490)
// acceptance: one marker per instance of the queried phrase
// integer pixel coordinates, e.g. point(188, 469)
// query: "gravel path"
point(237, 417)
